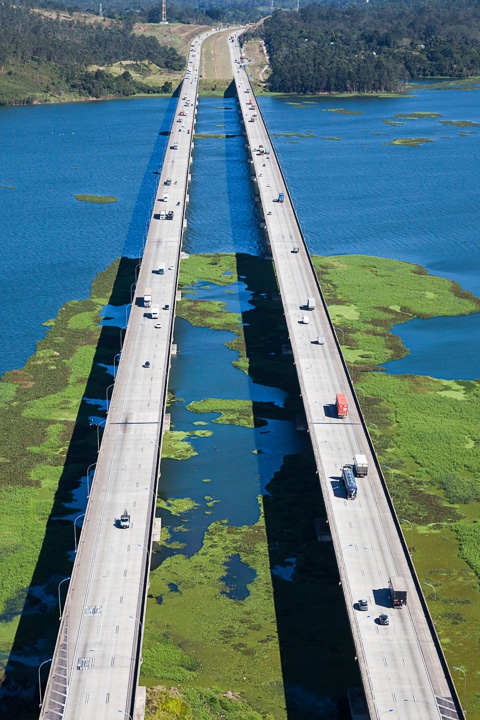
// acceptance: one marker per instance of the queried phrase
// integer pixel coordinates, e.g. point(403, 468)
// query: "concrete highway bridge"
point(402, 665)
point(96, 663)
point(95, 667)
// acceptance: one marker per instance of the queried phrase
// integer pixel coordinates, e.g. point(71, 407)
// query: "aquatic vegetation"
point(232, 412)
point(176, 446)
point(417, 115)
point(393, 122)
point(342, 111)
point(207, 136)
point(460, 123)
point(410, 142)
point(385, 292)
point(331, 138)
point(47, 444)
point(291, 135)
point(99, 199)
point(202, 703)
point(220, 268)
point(425, 432)
point(226, 643)
point(8, 187)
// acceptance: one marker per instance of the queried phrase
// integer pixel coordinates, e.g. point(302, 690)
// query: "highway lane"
point(96, 662)
point(400, 664)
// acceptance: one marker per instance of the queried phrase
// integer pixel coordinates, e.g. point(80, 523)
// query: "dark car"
point(362, 605)
point(147, 364)
point(383, 620)
point(167, 307)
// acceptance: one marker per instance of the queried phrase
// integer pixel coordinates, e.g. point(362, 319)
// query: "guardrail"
point(378, 467)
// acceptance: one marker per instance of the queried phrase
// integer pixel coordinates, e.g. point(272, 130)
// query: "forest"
point(372, 47)
point(32, 45)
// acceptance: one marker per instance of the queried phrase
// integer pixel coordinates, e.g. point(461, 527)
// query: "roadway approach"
point(96, 662)
point(402, 666)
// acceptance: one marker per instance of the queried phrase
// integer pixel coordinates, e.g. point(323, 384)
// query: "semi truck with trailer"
point(398, 591)
point(349, 481)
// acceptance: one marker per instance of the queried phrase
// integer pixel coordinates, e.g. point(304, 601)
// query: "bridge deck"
point(401, 666)
point(95, 666)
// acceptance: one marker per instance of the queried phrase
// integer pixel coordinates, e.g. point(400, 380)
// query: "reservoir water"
point(355, 193)
point(358, 194)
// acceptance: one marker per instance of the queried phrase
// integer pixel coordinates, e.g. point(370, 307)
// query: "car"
point(168, 181)
point(157, 326)
point(296, 250)
point(269, 212)
point(147, 364)
point(383, 620)
point(174, 146)
point(363, 604)
point(166, 307)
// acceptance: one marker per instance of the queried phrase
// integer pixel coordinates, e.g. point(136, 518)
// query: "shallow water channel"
point(243, 477)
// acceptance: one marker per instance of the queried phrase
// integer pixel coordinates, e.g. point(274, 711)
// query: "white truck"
point(147, 297)
point(310, 303)
point(124, 520)
point(154, 312)
point(360, 465)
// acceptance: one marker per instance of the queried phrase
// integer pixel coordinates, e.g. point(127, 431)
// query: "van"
point(321, 339)
point(162, 214)
point(305, 319)
point(165, 197)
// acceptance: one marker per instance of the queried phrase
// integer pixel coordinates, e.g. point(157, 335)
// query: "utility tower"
point(164, 13)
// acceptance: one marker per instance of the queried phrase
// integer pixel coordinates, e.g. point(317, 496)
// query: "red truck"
point(342, 405)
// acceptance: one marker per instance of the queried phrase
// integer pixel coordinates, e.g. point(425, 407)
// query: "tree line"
point(68, 48)
point(376, 46)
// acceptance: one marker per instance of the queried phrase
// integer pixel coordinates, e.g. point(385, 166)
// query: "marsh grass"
point(47, 444)
point(98, 199)
point(410, 142)
point(425, 430)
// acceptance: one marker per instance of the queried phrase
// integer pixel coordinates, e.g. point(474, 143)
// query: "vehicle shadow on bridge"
point(316, 648)
point(38, 609)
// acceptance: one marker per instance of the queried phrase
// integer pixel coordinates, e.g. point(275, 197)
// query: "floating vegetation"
point(460, 123)
point(8, 187)
point(98, 199)
point(410, 142)
point(418, 115)
point(288, 134)
point(395, 123)
point(233, 412)
point(331, 138)
point(207, 136)
point(342, 111)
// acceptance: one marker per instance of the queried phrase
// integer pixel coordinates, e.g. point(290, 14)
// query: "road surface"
point(402, 668)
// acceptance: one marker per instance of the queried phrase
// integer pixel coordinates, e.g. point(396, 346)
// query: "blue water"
point(238, 578)
point(442, 347)
point(360, 195)
point(221, 214)
point(51, 245)
point(356, 195)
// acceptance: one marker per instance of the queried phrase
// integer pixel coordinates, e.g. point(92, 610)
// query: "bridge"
point(402, 665)
point(96, 662)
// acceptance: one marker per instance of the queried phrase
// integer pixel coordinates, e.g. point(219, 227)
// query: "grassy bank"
point(425, 431)
point(47, 444)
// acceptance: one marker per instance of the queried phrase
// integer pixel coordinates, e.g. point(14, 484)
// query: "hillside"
point(371, 47)
point(67, 57)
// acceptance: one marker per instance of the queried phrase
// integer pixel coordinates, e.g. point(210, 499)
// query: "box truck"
point(342, 405)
